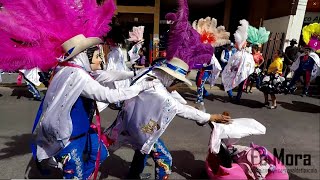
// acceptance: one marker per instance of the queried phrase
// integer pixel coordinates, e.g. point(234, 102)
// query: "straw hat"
point(77, 44)
point(176, 68)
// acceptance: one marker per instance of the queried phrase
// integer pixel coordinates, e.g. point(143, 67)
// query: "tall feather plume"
point(258, 36)
point(241, 34)
point(210, 33)
point(32, 31)
point(136, 34)
point(184, 42)
point(311, 36)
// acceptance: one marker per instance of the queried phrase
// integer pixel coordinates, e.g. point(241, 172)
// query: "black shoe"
point(236, 101)
point(267, 104)
point(304, 94)
point(37, 98)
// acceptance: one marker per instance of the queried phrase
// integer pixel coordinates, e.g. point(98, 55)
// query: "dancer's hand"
point(219, 118)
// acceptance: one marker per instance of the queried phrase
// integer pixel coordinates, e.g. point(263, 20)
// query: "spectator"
point(270, 86)
point(291, 54)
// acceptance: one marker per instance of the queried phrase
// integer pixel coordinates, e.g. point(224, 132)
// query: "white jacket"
point(145, 118)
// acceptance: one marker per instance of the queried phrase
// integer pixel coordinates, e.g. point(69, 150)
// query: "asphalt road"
point(293, 126)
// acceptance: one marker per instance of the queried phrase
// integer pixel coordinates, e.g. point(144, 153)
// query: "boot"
point(305, 92)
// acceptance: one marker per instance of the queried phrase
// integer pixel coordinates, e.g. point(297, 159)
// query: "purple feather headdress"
point(184, 42)
point(32, 31)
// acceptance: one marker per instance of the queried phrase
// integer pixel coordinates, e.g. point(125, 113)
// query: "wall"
point(312, 17)
point(296, 22)
point(277, 24)
point(291, 25)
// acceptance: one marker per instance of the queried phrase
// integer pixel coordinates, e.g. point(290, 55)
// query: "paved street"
point(293, 126)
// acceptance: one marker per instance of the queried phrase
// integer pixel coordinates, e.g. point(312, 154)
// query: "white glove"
point(147, 84)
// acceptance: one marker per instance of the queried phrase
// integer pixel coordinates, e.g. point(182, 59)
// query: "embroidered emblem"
point(150, 127)
point(65, 159)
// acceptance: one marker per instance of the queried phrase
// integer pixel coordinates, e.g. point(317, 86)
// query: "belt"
point(77, 137)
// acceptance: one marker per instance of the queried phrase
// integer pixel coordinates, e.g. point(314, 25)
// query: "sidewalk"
point(9, 80)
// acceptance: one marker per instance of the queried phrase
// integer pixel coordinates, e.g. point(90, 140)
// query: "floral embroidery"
point(78, 163)
point(150, 127)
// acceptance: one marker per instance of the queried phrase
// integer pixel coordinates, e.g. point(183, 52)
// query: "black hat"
point(294, 41)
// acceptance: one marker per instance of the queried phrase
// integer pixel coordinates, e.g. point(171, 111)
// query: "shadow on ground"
point(32, 172)
point(185, 164)
point(114, 166)
point(300, 107)
point(17, 145)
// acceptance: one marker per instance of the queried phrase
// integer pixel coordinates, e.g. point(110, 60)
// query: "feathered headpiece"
point(136, 35)
point(32, 31)
point(241, 34)
point(184, 42)
point(258, 36)
point(210, 33)
point(311, 36)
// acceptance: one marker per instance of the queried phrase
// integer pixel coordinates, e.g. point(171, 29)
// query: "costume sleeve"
point(192, 113)
point(111, 76)
point(222, 57)
point(178, 97)
point(95, 91)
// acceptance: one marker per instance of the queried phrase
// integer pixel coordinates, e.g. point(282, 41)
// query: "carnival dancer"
point(142, 127)
point(226, 54)
point(215, 36)
point(272, 82)
point(116, 58)
point(256, 37)
point(65, 134)
point(308, 63)
point(240, 65)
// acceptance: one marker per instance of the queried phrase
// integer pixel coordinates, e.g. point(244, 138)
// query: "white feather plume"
point(136, 34)
point(241, 34)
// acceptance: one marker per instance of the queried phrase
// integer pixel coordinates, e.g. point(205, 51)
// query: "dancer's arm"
point(95, 91)
point(194, 114)
point(112, 75)
point(222, 57)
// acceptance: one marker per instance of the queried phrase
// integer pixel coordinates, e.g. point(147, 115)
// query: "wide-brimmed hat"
point(77, 44)
point(294, 41)
point(309, 48)
point(176, 68)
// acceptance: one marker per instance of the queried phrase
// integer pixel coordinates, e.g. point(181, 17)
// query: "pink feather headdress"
point(136, 35)
point(32, 31)
point(210, 33)
point(184, 42)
